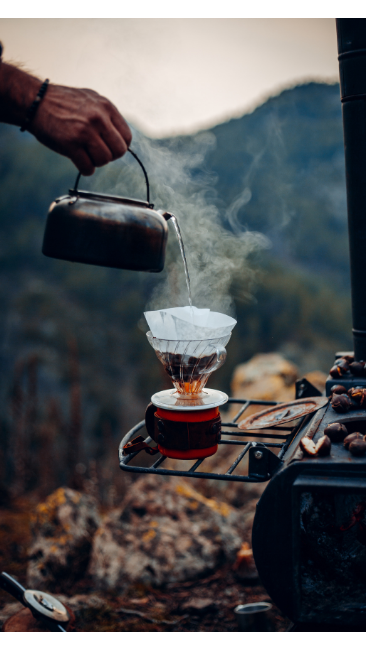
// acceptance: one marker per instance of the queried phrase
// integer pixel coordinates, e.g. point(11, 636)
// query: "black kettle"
point(107, 230)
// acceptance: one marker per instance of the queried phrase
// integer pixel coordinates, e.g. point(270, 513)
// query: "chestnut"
point(358, 394)
point(355, 392)
point(341, 403)
point(352, 437)
point(308, 446)
point(357, 368)
point(349, 358)
point(357, 447)
point(340, 367)
point(354, 404)
point(323, 446)
point(336, 432)
point(335, 372)
point(343, 365)
point(338, 388)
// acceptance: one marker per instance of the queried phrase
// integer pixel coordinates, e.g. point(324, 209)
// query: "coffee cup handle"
point(220, 358)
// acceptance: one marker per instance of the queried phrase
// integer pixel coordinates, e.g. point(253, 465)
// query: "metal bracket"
point(262, 462)
point(138, 444)
point(304, 389)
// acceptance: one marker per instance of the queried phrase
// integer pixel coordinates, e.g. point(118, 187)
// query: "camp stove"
point(309, 532)
point(311, 520)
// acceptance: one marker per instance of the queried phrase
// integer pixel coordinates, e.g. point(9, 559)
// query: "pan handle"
point(12, 586)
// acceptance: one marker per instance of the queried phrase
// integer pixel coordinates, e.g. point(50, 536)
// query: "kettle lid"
point(84, 194)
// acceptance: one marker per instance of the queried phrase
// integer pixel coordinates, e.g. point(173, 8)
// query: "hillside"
point(280, 170)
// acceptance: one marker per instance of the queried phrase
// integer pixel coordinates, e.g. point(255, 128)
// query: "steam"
point(215, 255)
point(245, 195)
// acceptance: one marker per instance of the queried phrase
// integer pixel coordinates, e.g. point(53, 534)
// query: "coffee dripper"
point(189, 364)
point(185, 421)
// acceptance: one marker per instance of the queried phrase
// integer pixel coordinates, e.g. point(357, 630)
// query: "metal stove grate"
point(263, 461)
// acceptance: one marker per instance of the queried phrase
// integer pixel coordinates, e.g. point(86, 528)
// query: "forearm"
point(75, 122)
point(18, 89)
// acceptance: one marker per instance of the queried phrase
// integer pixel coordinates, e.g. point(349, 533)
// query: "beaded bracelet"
point(33, 108)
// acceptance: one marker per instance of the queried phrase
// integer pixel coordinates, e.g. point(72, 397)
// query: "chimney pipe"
point(351, 34)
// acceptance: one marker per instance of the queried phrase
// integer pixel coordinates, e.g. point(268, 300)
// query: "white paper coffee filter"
point(186, 323)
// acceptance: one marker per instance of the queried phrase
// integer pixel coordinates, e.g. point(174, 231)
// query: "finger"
point(82, 161)
point(98, 151)
point(114, 141)
point(121, 125)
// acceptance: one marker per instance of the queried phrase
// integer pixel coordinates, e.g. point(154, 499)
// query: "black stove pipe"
point(351, 33)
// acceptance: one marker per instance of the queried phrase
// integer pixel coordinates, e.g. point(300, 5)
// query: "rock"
point(266, 377)
point(165, 532)
point(62, 527)
point(270, 377)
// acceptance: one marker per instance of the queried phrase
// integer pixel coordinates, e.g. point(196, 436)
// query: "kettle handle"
point(142, 167)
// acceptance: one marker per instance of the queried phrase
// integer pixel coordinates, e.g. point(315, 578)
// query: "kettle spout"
point(167, 215)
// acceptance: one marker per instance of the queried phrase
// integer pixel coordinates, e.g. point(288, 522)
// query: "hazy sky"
point(175, 75)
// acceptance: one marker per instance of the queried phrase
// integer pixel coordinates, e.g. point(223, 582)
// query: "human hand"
point(82, 125)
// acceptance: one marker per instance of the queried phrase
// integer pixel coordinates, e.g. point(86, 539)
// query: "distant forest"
point(72, 336)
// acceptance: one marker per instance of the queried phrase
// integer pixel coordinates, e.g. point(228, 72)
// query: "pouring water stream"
point(181, 246)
